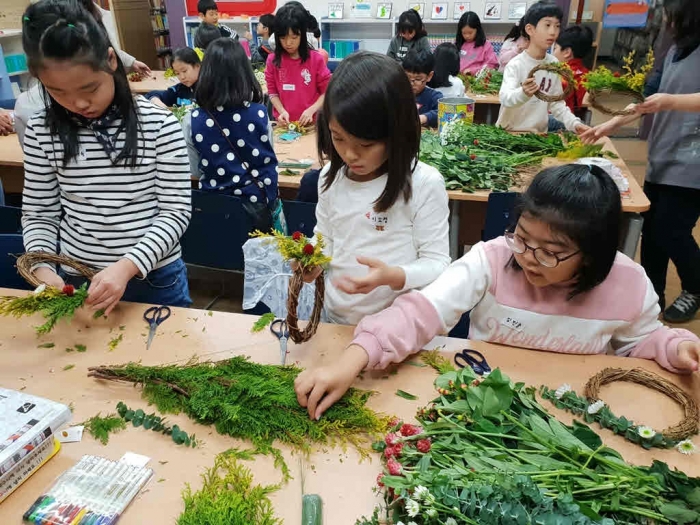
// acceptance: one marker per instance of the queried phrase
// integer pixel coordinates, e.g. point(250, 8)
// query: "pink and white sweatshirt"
point(619, 314)
point(473, 58)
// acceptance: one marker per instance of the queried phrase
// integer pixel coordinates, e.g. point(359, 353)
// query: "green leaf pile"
point(488, 453)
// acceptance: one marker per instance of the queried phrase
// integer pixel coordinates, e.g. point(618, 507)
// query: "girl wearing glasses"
point(555, 281)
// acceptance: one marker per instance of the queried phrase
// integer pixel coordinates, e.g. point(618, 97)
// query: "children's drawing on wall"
point(517, 10)
point(419, 7)
point(335, 10)
point(384, 10)
point(460, 9)
point(493, 10)
point(439, 11)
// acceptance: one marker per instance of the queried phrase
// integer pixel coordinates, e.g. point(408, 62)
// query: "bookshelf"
point(13, 64)
point(161, 33)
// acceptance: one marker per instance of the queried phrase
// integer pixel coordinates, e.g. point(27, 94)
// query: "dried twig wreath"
point(295, 285)
point(563, 71)
point(686, 428)
point(594, 98)
point(26, 262)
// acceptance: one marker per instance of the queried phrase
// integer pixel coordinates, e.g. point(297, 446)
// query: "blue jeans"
point(165, 286)
point(554, 125)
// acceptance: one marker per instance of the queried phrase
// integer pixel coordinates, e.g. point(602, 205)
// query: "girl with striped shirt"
point(106, 174)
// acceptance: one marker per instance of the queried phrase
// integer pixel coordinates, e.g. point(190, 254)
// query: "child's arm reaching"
point(562, 113)
point(675, 349)
point(165, 98)
point(393, 334)
point(273, 90)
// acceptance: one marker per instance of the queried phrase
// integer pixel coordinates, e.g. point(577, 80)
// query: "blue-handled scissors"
point(280, 329)
point(154, 316)
point(473, 359)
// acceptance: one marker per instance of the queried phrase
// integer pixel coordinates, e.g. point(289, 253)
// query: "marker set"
point(96, 491)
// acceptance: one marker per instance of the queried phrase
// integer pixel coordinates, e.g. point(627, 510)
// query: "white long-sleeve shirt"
point(412, 235)
point(101, 212)
point(522, 113)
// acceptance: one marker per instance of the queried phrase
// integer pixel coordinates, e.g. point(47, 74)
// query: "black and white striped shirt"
point(101, 212)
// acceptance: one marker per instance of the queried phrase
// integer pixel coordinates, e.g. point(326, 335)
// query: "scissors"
point(279, 328)
point(154, 316)
point(473, 359)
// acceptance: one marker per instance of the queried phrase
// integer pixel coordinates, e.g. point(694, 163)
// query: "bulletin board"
point(11, 13)
point(237, 8)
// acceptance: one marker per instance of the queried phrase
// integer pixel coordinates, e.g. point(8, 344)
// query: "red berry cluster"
point(69, 290)
point(296, 236)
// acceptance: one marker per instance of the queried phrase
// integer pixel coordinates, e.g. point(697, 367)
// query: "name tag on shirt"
point(462, 52)
point(509, 322)
point(288, 87)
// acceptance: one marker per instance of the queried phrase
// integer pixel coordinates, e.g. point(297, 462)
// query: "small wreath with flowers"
point(308, 257)
point(53, 303)
point(558, 68)
point(593, 409)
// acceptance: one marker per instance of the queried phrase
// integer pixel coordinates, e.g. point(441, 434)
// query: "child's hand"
point(6, 126)
point(158, 102)
point(307, 117)
point(379, 275)
point(310, 272)
point(592, 135)
point(283, 118)
point(423, 120)
point(654, 104)
point(581, 129)
point(319, 388)
point(530, 87)
point(140, 67)
point(108, 286)
point(688, 355)
point(49, 277)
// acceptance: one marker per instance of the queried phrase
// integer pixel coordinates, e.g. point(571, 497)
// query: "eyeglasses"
point(542, 256)
point(417, 81)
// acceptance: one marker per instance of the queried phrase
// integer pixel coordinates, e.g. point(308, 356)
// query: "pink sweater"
point(620, 313)
point(472, 58)
point(298, 84)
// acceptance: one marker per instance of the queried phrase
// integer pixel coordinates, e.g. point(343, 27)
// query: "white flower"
point(39, 289)
point(431, 513)
point(399, 523)
point(563, 389)
point(412, 523)
point(450, 521)
point(594, 408)
point(646, 432)
point(420, 492)
point(429, 499)
point(412, 508)
point(686, 447)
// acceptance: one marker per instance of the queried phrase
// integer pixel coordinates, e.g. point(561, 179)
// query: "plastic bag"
point(266, 280)
point(615, 173)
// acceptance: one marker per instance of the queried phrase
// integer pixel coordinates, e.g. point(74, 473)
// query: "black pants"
point(668, 234)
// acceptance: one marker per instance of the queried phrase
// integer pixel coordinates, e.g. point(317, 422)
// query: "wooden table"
point(155, 82)
point(344, 484)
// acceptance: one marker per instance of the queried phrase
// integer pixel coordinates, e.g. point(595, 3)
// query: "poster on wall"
point(625, 13)
point(361, 9)
point(439, 11)
point(384, 10)
point(419, 8)
point(460, 9)
point(517, 10)
point(335, 11)
point(492, 11)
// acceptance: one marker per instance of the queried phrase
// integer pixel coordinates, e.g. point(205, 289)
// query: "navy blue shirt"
point(249, 168)
point(177, 95)
point(427, 102)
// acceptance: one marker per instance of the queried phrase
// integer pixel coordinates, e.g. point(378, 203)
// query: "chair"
point(300, 216)
point(9, 278)
point(10, 219)
point(498, 214)
point(2, 194)
point(218, 229)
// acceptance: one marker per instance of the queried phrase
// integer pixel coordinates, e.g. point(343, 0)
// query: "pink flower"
point(423, 445)
point(394, 467)
point(391, 439)
point(410, 430)
point(380, 477)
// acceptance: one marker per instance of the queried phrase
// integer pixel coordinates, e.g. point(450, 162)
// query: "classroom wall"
point(11, 13)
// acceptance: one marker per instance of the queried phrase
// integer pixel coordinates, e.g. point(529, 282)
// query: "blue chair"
point(218, 229)
point(9, 278)
point(498, 214)
point(10, 219)
point(300, 216)
point(498, 218)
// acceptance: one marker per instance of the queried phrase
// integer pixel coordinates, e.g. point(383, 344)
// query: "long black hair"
point(446, 65)
point(470, 19)
point(186, 55)
point(370, 97)
point(583, 204)
point(516, 31)
point(226, 78)
point(683, 18)
point(62, 30)
point(294, 18)
point(411, 21)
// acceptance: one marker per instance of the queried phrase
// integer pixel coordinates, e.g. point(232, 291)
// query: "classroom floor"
point(227, 289)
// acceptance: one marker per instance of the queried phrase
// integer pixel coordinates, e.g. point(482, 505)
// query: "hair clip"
point(70, 25)
point(26, 19)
